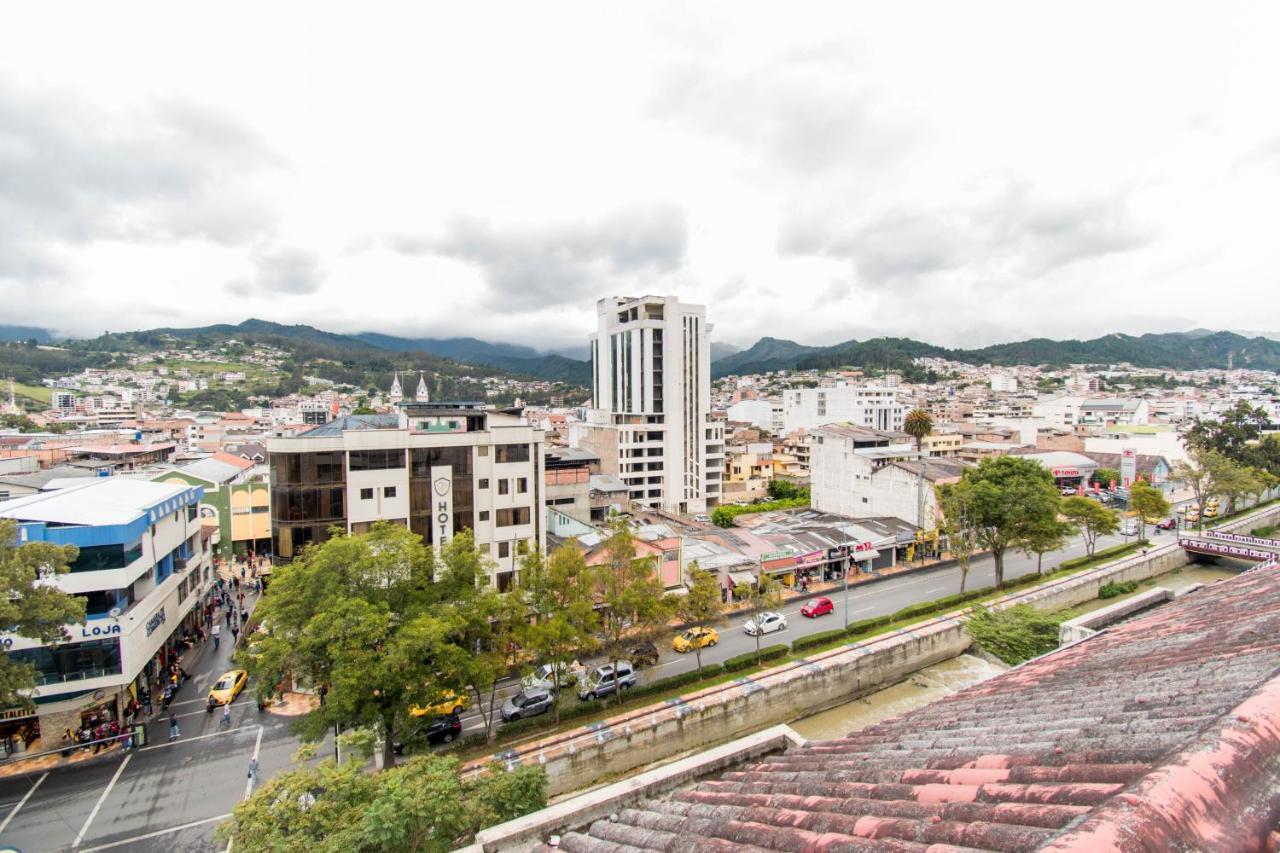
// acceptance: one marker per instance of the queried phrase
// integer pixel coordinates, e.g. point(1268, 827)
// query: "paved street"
point(171, 796)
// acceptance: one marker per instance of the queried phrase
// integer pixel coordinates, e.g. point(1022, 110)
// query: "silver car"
point(765, 623)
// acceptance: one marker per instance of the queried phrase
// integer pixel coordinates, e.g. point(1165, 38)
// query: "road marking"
point(197, 737)
point(257, 745)
point(102, 799)
point(22, 802)
point(198, 713)
point(156, 834)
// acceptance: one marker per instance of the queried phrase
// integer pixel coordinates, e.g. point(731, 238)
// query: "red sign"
point(1066, 472)
point(1113, 484)
point(810, 558)
point(1080, 489)
point(1097, 487)
point(864, 546)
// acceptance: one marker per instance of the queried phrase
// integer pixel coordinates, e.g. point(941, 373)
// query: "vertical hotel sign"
point(1128, 466)
point(441, 505)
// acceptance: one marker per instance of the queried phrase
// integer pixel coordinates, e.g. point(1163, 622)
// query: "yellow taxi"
point(227, 687)
point(695, 638)
point(450, 703)
point(1210, 510)
point(1192, 515)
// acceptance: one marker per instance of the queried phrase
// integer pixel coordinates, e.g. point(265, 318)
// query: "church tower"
point(421, 395)
point(397, 394)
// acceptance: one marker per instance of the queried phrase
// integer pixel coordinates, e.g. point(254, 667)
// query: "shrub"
point(723, 516)
point(863, 626)
point(817, 639)
point(1114, 551)
point(711, 670)
point(749, 660)
point(1015, 634)
point(1111, 589)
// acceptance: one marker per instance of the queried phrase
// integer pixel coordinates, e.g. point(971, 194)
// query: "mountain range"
point(1199, 348)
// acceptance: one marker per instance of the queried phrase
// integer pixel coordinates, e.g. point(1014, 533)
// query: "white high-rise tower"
point(651, 378)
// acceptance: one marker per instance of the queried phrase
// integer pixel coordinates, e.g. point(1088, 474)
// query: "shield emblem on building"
point(442, 486)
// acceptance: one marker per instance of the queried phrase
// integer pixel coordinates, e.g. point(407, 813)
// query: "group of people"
point(96, 733)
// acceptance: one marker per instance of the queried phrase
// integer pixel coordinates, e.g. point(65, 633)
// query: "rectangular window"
point(512, 453)
point(522, 485)
point(366, 494)
point(504, 550)
point(375, 460)
point(484, 483)
point(484, 515)
point(482, 450)
point(504, 487)
point(94, 558)
point(388, 491)
point(513, 516)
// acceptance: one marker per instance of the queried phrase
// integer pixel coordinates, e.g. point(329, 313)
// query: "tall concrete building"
point(871, 407)
point(651, 387)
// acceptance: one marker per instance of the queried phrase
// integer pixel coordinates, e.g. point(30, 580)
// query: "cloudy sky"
point(963, 173)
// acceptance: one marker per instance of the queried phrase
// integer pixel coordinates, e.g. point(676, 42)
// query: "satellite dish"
point(114, 612)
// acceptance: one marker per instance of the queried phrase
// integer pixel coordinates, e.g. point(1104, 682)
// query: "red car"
point(817, 607)
point(1167, 524)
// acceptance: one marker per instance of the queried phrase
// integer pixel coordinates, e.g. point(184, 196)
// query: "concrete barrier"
point(781, 694)
point(1082, 627)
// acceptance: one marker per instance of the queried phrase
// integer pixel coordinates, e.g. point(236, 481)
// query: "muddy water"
point(923, 687)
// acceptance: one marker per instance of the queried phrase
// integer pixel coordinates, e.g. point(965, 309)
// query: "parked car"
point(702, 518)
point(1210, 511)
point(1068, 491)
point(1129, 527)
point(442, 729)
point(1168, 524)
point(817, 607)
point(450, 704)
point(604, 681)
point(643, 654)
point(527, 703)
point(765, 623)
point(553, 676)
point(695, 638)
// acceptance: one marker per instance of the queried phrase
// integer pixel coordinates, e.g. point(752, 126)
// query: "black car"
point(527, 703)
point(443, 729)
point(643, 654)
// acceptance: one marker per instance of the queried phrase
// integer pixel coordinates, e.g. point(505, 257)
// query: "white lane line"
point(206, 711)
point(22, 802)
point(156, 834)
point(257, 745)
point(197, 737)
point(102, 799)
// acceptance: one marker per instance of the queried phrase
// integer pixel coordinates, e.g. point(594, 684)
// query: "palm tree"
point(918, 424)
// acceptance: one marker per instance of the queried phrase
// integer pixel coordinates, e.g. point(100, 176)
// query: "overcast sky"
point(964, 173)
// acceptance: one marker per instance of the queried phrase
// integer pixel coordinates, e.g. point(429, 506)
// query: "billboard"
point(1128, 466)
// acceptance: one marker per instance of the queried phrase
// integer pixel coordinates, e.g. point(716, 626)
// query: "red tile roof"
point(1159, 734)
point(230, 459)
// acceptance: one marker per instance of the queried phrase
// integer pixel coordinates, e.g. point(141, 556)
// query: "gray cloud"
point(281, 271)
point(546, 265)
point(71, 173)
point(1012, 229)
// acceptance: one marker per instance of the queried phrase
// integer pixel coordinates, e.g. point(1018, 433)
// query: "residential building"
point(568, 482)
point(437, 468)
point(1112, 411)
point(748, 471)
point(1004, 383)
point(871, 407)
point(236, 502)
point(845, 458)
point(762, 413)
point(143, 565)
point(651, 387)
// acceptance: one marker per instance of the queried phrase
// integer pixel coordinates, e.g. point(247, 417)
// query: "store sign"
point(810, 558)
point(106, 630)
point(155, 621)
point(786, 562)
point(864, 546)
point(775, 555)
point(442, 504)
point(838, 553)
point(1060, 473)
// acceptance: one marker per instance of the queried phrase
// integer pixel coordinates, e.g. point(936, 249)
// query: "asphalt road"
point(171, 796)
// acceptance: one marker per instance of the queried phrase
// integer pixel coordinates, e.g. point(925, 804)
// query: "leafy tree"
point(1231, 480)
point(1010, 496)
point(1090, 518)
point(917, 424)
point(762, 596)
point(1104, 477)
point(1014, 634)
point(633, 600)
point(955, 501)
point(785, 490)
point(362, 616)
point(1045, 534)
point(1148, 502)
point(1194, 473)
point(425, 805)
point(1232, 435)
point(701, 606)
point(487, 628)
point(558, 593)
point(31, 605)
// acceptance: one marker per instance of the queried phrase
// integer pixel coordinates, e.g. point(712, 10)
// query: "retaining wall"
point(612, 747)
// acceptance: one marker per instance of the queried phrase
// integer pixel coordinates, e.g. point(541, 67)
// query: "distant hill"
point(513, 358)
point(1193, 350)
point(26, 333)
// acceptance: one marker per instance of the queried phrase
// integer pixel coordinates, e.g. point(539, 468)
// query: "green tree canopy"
point(702, 606)
point(558, 592)
point(1009, 496)
point(1148, 502)
point(959, 524)
point(1090, 518)
point(633, 600)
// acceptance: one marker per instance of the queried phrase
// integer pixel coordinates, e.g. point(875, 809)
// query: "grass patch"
point(39, 393)
point(1114, 589)
point(1015, 634)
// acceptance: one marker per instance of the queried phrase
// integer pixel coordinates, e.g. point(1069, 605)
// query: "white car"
point(765, 623)
point(702, 519)
point(544, 677)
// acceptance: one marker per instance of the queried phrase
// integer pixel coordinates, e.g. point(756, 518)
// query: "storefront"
point(19, 729)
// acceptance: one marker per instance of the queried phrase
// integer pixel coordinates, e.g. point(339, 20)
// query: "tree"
point(785, 490)
point(634, 605)
point(1194, 473)
point(1044, 534)
point(1104, 477)
point(424, 805)
point(1090, 518)
point(762, 596)
point(1233, 435)
point(1009, 496)
point(364, 616)
point(486, 627)
point(702, 606)
point(31, 605)
point(1148, 502)
point(1231, 480)
point(954, 501)
point(917, 424)
point(559, 596)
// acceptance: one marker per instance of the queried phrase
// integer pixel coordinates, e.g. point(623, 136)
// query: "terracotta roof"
point(238, 461)
point(1160, 734)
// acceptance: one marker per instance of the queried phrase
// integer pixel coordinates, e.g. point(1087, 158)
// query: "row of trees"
point(1230, 458)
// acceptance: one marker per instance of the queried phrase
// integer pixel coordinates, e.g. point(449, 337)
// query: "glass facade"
point(72, 661)
point(96, 558)
point(421, 463)
point(308, 496)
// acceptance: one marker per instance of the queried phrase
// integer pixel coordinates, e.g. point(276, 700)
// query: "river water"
point(943, 679)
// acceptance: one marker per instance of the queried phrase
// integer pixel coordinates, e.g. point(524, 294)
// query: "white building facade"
point(872, 407)
point(143, 568)
point(764, 414)
point(651, 382)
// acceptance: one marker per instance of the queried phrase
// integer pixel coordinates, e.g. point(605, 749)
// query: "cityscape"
point(440, 456)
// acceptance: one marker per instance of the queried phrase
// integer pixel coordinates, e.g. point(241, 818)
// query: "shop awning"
point(865, 555)
point(742, 578)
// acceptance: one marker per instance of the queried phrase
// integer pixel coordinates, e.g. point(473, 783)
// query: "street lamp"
point(847, 561)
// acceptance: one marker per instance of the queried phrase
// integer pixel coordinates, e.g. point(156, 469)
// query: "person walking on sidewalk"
point(173, 726)
point(216, 630)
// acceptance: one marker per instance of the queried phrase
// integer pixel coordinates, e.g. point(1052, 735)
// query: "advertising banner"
point(1128, 466)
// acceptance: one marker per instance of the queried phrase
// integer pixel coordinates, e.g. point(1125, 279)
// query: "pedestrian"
point(235, 633)
point(228, 615)
point(242, 571)
point(216, 630)
point(244, 615)
point(173, 726)
point(226, 714)
point(253, 768)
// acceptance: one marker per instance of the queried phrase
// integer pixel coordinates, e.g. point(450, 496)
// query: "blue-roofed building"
point(144, 564)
